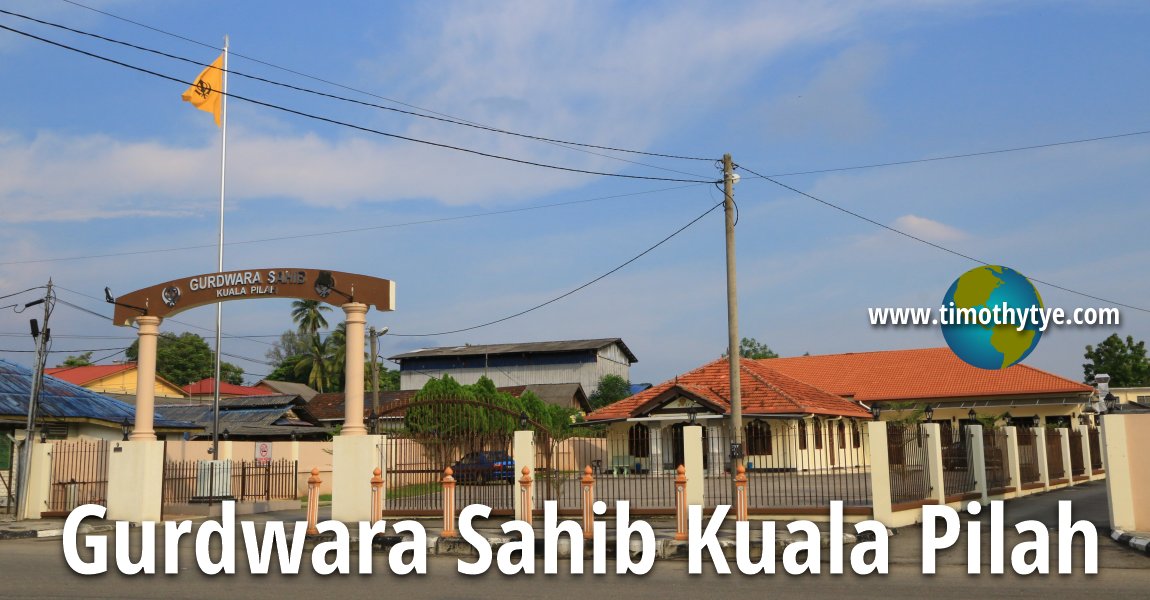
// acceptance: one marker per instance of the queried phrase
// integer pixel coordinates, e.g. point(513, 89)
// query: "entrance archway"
point(147, 307)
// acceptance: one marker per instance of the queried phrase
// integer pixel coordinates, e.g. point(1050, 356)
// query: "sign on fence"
point(263, 452)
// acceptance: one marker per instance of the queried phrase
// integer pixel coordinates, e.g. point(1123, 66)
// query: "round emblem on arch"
point(171, 295)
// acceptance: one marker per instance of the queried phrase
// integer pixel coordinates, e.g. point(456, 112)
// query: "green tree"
point(185, 358)
point(82, 360)
point(611, 389)
point(308, 316)
point(754, 349)
point(1123, 360)
point(291, 343)
point(312, 365)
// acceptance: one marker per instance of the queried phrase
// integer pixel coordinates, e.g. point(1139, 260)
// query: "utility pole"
point(729, 179)
point(42, 337)
point(374, 337)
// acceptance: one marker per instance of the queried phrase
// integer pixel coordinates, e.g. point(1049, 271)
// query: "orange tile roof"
point(916, 374)
point(765, 391)
point(87, 374)
point(206, 387)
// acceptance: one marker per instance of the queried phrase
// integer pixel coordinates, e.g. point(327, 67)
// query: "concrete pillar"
point(1043, 465)
point(1013, 468)
point(39, 482)
point(523, 452)
point(693, 461)
point(880, 472)
point(656, 447)
point(1064, 435)
point(148, 333)
point(1127, 453)
point(225, 450)
point(353, 370)
point(934, 472)
point(354, 459)
point(135, 481)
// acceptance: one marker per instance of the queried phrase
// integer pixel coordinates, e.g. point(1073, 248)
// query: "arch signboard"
point(331, 287)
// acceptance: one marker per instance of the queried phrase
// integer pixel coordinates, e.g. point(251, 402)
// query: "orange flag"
point(206, 93)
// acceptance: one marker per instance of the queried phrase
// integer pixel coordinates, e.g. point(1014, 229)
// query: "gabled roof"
point(206, 387)
point(520, 348)
point(88, 373)
point(569, 395)
point(764, 392)
point(64, 401)
point(250, 415)
point(918, 374)
point(328, 406)
point(92, 373)
point(302, 390)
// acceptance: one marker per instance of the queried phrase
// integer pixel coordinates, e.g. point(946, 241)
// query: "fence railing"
point(1077, 464)
point(957, 461)
point(1095, 449)
point(79, 475)
point(1028, 467)
point(782, 473)
point(994, 451)
point(244, 481)
point(907, 455)
point(8, 460)
point(1054, 465)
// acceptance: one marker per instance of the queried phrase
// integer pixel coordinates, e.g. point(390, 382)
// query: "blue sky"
point(96, 159)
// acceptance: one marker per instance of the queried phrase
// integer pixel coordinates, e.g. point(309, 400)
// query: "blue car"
point(481, 467)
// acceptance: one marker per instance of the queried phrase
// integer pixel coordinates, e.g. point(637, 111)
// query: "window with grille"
point(802, 435)
point(856, 436)
point(5, 452)
point(818, 435)
point(842, 427)
point(639, 441)
point(758, 434)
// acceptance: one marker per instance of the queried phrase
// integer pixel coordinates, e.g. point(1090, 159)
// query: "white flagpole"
point(220, 266)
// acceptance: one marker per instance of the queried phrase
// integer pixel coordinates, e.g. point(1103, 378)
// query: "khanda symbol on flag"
point(205, 94)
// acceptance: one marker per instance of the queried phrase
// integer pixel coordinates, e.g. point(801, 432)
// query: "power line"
point(932, 244)
point(347, 231)
point(352, 125)
point(426, 113)
point(564, 295)
point(955, 156)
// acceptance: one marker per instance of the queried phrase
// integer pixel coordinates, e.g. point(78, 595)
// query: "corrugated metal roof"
point(525, 347)
point(62, 400)
point(302, 390)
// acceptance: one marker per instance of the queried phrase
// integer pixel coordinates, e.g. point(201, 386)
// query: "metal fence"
point(906, 453)
point(994, 451)
point(638, 466)
point(483, 469)
point(785, 472)
point(1095, 449)
point(8, 460)
point(1028, 467)
point(1054, 465)
point(1077, 464)
point(79, 475)
point(244, 481)
point(958, 473)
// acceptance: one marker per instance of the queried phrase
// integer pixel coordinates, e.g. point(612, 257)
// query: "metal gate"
point(79, 476)
point(471, 437)
point(8, 461)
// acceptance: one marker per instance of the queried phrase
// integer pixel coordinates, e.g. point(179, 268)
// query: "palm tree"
point(308, 315)
point(314, 363)
point(336, 354)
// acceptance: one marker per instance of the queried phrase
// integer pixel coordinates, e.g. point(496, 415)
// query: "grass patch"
point(415, 489)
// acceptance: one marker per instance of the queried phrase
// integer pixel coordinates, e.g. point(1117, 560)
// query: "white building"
point(574, 361)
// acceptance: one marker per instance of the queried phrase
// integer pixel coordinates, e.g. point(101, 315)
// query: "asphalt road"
point(36, 569)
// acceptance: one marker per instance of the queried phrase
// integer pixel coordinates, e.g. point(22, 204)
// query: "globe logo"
point(986, 343)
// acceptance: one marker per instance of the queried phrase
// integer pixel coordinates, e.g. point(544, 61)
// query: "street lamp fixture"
point(1009, 419)
point(523, 421)
point(373, 423)
point(928, 412)
point(973, 416)
point(125, 428)
point(875, 411)
point(225, 435)
point(692, 413)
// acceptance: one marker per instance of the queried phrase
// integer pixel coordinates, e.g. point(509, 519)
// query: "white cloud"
point(927, 229)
